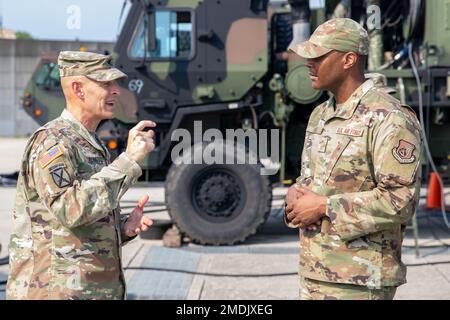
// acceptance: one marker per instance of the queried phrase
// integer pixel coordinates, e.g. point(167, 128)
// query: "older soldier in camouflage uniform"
point(67, 227)
point(360, 174)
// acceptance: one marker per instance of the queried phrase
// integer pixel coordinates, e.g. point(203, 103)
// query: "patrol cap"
point(91, 65)
point(341, 34)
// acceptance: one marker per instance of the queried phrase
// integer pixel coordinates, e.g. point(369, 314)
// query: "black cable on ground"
point(237, 275)
point(426, 263)
point(242, 275)
point(431, 246)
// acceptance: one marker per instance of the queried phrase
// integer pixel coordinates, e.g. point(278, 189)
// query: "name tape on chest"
point(350, 131)
point(50, 155)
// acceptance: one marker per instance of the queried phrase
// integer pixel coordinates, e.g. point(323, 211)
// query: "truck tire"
point(218, 204)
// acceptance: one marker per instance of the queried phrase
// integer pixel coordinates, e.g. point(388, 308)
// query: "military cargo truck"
point(225, 63)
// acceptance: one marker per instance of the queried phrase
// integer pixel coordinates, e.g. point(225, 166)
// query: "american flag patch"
point(49, 156)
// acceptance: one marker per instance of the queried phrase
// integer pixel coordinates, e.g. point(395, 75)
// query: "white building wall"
point(18, 60)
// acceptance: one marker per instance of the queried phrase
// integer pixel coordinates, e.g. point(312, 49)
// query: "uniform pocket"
point(334, 158)
point(347, 169)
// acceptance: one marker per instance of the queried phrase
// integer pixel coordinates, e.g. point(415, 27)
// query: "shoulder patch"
point(52, 154)
point(60, 175)
point(404, 152)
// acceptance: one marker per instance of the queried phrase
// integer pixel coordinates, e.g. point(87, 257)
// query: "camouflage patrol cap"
point(91, 65)
point(341, 34)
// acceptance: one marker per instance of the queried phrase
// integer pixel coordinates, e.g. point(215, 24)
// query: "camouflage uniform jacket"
point(365, 157)
point(67, 228)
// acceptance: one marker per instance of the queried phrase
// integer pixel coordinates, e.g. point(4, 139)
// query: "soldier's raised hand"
point(140, 143)
point(137, 222)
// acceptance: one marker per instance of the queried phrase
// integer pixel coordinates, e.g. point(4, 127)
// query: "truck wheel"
point(218, 204)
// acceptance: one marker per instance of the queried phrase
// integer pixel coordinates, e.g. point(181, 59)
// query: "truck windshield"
point(48, 76)
point(173, 36)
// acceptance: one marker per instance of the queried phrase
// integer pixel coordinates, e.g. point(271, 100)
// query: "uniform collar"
point(347, 109)
point(81, 129)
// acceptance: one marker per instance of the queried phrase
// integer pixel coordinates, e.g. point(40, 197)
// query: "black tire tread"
point(246, 232)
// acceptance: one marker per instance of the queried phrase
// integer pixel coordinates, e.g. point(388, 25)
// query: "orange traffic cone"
point(434, 192)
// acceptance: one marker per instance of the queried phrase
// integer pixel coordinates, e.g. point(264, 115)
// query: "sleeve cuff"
point(128, 166)
point(338, 226)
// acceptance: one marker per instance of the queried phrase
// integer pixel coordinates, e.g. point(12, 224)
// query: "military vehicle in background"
point(225, 63)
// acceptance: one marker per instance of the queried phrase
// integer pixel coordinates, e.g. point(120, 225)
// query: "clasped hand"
point(304, 207)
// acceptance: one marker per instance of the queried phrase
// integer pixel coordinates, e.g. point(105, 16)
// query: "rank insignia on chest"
point(322, 148)
point(60, 175)
point(50, 155)
point(404, 152)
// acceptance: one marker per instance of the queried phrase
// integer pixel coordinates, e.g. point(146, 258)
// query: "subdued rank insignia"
point(404, 152)
point(60, 175)
point(322, 148)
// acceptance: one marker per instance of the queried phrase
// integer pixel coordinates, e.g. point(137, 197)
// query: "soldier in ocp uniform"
point(67, 227)
point(360, 174)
